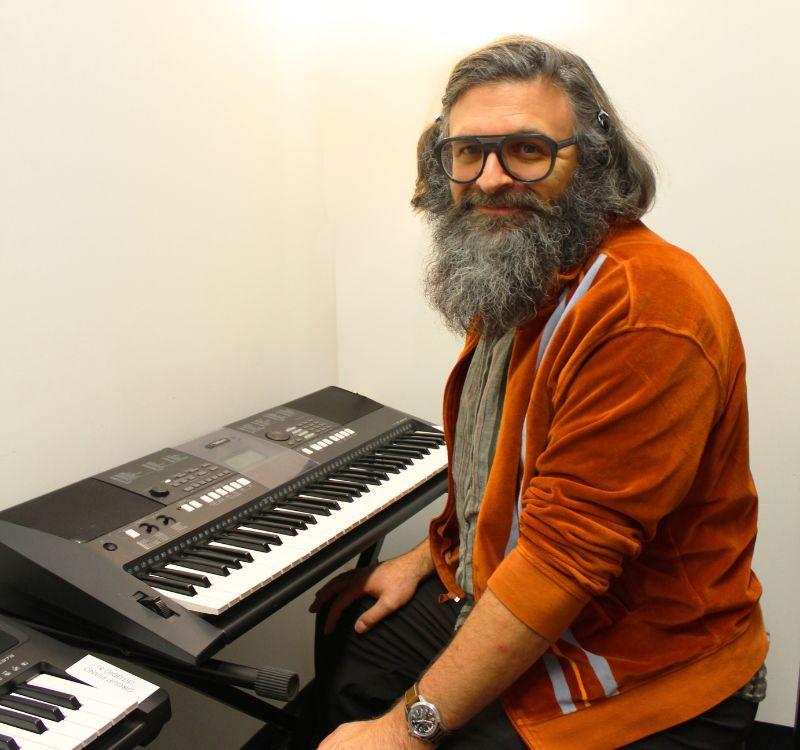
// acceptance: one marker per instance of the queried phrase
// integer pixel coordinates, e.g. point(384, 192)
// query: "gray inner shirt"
point(479, 415)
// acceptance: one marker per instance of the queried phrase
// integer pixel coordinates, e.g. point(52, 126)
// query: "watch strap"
point(410, 697)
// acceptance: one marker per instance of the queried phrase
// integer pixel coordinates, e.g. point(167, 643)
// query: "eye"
point(528, 149)
point(467, 151)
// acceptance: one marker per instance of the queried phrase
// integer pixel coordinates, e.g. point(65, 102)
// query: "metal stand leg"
point(232, 697)
point(370, 555)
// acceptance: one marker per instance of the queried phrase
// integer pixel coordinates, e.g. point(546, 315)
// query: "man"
point(588, 584)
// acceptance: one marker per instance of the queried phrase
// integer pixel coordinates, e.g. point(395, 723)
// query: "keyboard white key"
point(65, 734)
point(27, 739)
point(25, 744)
point(94, 699)
point(79, 716)
point(206, 603)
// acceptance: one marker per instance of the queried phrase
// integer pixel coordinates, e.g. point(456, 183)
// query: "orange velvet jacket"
point(638, 508)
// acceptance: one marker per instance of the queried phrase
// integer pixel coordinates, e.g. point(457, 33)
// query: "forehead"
point(510, 107)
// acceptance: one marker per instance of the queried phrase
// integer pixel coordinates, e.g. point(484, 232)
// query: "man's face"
point(499, 245)
point(515, 107)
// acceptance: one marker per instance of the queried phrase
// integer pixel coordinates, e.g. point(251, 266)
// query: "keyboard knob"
point(165, 520)
point(278, 435)
point(158, 492)
point(148, 528)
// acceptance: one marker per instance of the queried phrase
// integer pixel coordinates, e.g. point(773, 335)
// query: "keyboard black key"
point(57, 698)
point(271, 525)
point(413, 445)
point(197, 563)
point(344, 483)
point(399, 462)
point(312, 495)
point(330, 494)
point(283, 518)
point(319, 502)
point(381, 465)
point(371, 472)
point(276, 527)
point(34, 708)
point(429, 434)
point(407, 452)
point(232, 554)
point(358, 474)
point(297, 515)
point(216, 556)
point(177, 587)
point(193, 579)
point(329, 486)
point(252, 529)
point(304, 506)
point(383, 455)
point(8, 743)
point(242, 542)
point(28, 723)
point(378, 467)
point(432, 442)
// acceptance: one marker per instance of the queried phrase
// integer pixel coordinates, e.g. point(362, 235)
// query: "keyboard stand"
point(218, 680)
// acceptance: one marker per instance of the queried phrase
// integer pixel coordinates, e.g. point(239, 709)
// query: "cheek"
point(457, 191)
point(546, 190)
point(554, 185)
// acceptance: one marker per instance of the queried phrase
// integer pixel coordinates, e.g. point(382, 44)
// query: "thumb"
point(373, 616)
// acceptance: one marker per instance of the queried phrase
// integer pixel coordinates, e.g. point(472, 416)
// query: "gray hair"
point(608, 155)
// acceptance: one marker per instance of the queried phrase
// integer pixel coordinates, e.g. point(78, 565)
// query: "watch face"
point(422, 720)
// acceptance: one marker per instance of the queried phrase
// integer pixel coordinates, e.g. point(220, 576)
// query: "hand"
point(389, 732)
point(393, 583)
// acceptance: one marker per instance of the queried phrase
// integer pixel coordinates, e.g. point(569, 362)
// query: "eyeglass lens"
point(525, 158)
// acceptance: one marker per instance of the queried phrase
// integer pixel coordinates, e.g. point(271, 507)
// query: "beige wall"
point(204, 210)
point(166, 263)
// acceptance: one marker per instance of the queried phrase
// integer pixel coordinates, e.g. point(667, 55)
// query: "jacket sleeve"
point(629, 426)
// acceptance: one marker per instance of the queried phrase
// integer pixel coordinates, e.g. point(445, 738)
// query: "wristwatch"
point(423, 718)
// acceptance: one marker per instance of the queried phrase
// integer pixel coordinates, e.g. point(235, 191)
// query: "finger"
point(340, 604)
point(331, 588)
point(374, 615)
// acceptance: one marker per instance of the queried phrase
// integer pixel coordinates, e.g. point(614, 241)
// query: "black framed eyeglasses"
point(527, 157)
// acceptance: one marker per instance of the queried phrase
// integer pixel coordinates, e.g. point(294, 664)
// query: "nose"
point(494, 178)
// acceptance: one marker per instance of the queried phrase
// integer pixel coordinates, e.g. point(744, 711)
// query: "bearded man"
point(588, 584)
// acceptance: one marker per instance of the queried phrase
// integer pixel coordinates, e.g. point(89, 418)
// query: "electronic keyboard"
point(55, 697)
point(182, 550)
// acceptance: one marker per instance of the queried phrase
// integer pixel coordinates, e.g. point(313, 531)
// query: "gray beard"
point(496, 272)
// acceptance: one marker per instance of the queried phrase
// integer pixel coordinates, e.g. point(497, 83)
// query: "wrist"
point(423, 560)
point(397, 727)
point(423, 719)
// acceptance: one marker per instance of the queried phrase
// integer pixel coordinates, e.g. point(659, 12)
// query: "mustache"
point(474, 198)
